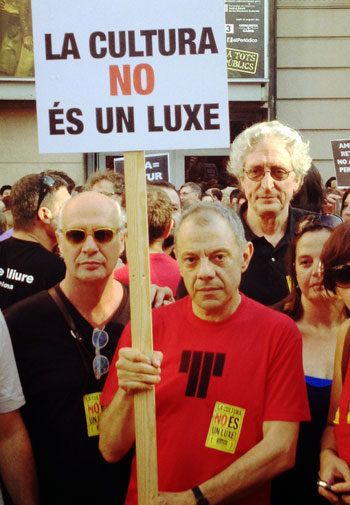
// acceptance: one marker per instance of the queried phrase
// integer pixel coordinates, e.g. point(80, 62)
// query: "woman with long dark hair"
point(318, 317)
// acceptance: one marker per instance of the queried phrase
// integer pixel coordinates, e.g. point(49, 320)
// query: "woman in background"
point(318, 317)
point(311, 193)
point(345, 206)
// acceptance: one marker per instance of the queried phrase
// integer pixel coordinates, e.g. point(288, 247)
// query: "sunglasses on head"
point(101, 235)
point(258, 173)
point(325, 220)
point(47, 184)
point(339, 275)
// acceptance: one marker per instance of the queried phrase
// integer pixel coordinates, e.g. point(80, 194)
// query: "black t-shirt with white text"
point(25, 269)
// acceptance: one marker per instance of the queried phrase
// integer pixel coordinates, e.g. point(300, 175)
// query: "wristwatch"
point(201, 499)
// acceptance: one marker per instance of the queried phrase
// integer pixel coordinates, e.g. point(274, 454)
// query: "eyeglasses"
point(258, 173)
point(339, 275)
point(47, 183)
point(100, 363)
point(101, 235)
point(325, 220)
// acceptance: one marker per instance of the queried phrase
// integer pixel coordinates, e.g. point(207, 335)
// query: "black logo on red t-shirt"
point(201, 366)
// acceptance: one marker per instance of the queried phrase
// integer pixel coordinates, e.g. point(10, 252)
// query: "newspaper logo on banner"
point(341, 156)
point(128, 79)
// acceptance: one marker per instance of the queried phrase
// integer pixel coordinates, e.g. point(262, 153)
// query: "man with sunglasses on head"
point(64, 340)
point(270, 161)
point(27, 263)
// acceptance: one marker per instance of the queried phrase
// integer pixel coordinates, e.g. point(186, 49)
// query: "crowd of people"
point(250, 370)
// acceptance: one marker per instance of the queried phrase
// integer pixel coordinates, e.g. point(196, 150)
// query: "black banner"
point(156, 166)
point(341, 156)
point(245, 39)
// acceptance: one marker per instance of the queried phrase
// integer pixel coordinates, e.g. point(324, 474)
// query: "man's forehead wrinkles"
point(89, 223)
point(271, 159)
point(207, 250)
point(89, 211)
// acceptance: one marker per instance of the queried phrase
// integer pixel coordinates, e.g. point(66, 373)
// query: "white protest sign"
point(120, 75)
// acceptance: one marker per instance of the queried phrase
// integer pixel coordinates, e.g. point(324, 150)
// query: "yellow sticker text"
point(225, 427)
point(92, 412)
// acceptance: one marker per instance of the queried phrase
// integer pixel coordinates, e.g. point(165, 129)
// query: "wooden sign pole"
point(141, 321)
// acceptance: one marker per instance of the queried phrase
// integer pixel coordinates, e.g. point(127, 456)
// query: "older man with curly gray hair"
point(270, 160)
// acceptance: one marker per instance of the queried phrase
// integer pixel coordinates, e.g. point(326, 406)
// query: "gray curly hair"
point(244, 144)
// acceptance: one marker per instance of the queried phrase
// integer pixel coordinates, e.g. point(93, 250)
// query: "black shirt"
point(25, 269)
point(55, 379)
point(265, 279)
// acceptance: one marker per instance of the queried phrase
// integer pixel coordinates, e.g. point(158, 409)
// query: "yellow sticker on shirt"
point(336, 419)
point(92, 412)
point(225, 427)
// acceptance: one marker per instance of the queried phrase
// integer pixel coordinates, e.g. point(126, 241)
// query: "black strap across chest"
point(85, 354)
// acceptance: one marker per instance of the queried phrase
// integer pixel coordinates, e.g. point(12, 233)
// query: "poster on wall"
point(156, 166)
point(130, 79)
point(16, 39)
point(341, 157)
point(246, 23)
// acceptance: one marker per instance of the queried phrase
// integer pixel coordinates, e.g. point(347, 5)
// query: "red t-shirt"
point(164, 271)
point(219, 382)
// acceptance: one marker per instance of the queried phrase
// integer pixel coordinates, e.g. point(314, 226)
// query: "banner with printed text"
point(156, 166)
point(341, 157)
point(246, 24)
point(119, 75)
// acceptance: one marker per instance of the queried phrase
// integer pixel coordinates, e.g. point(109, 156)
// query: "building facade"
point(296, 71)
point(313, 73)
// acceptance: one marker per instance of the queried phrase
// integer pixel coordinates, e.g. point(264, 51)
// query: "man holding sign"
point(230, 390)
